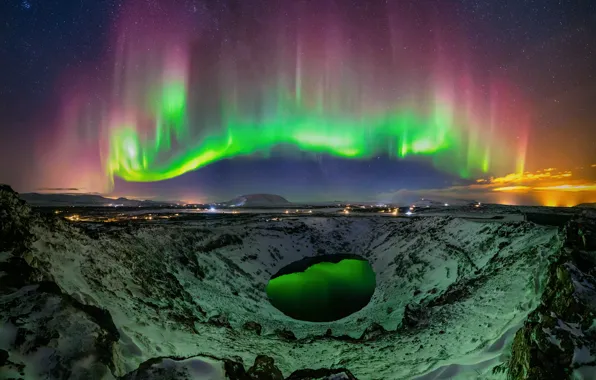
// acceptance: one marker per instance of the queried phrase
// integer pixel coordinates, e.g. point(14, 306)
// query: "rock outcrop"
point(45, 332)
point(263, 368)
point(558, 339)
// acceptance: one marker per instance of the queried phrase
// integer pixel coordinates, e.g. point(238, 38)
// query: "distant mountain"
point(84, 200)
point(425, 202)
point(258, 200)
point(590, 205)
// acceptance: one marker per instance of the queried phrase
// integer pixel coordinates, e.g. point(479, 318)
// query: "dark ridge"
point(556, 220)
point(307, 262)
point(222, 241)
point(15, 220)
point(21, 274)
point(3, 357)
point(234, 370)
point(258, 200)
point(587, 205)
point(85, 200)
point(253, 326)
point(533, 354)
point(321, 373)
point(263, 368)
point(98, 315)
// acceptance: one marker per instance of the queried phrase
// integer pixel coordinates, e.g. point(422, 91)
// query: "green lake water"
point(325, 291)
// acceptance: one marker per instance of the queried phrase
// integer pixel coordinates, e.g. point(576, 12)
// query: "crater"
point(447, 291)
point(322, 288)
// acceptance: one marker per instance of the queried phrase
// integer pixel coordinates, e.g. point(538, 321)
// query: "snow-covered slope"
point(451, 293)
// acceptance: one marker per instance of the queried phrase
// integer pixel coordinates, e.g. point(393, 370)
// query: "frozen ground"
point(188, 298)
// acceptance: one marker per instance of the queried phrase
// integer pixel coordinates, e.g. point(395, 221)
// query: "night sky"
point(313, 100)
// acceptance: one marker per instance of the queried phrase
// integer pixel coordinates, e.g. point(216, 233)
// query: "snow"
point(584, 373)
point(572, 328)
point(451, 293)
point(474, 290)
point(552, 338)
point(8, 334)
point(582, 355)
point(197, 368)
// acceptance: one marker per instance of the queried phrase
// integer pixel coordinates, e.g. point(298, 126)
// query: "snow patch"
point(195, 368)
point(8, 334)
point(552, 338)
point(584, 373)
point(582, 355)
point(572, 328)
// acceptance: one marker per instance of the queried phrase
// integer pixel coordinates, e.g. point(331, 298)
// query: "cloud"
point(58, 189)
point(548, 187)
point(451, 194)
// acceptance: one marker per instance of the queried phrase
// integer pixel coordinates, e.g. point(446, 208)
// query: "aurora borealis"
point(176, 87)
point(320, 91)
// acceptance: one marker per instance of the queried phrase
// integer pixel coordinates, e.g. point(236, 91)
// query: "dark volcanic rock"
point(191, 264)
point(55, 322)
point(15, 217)
point(252, 326)
point(414, 316)
point(222, 241)
point(3, 357)
point(264, 369)
point(219, 320)
point(285, 334)
point(322, 374)
point(558, 337)
point(179, 368)
point(77, 338)
point(373, 331)
point(17, 274)
point(235, 371)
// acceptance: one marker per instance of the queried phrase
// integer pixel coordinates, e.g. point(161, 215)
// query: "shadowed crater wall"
point(322, 288)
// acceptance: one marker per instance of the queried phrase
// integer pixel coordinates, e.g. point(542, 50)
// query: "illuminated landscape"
point(297, 190)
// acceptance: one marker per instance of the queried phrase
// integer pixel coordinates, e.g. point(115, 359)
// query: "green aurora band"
point(176, 106)
point(398, 134)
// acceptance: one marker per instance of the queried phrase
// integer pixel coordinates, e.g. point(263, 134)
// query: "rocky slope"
point(186, 299)
point(558, 339)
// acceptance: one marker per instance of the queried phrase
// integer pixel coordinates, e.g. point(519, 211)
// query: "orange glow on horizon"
point(588, 187)
point(512, 188)
point(546, 187)
point(527, 176)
